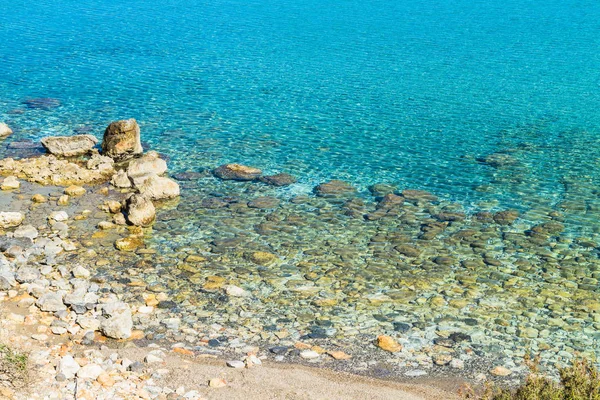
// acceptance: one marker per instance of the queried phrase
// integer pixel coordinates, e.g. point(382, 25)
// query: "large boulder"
point(117, 322)
point(9, 219)
point(237, 172)
point(158, 188)
point(149, 163)
point(69, 146)
point(122, 139)
point(5, 130)
point(140, 210)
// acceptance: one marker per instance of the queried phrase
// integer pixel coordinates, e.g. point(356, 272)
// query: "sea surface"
point(416, 95)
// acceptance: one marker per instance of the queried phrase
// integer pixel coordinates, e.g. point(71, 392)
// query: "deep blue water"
point(403, 92)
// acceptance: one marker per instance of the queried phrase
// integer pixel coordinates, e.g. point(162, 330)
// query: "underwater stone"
point(334, 188)
point(237, 172)
point(390, 200)
point(506, 217)
point(278, 179)
point(42, 103)
point(498, 160)
point(418, 195)
point(264, 202)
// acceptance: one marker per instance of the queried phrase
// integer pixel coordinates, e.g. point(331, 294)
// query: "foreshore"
point(79, 335)
point(103, 313)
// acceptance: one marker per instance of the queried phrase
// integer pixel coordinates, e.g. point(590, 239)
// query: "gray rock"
point(7, 280)
point(51, 302)
point(27, 274)
point(69, 146)
point(117, 322)
point(26, 231)
point(90, 371)
point(68, 367)
point(6, 242)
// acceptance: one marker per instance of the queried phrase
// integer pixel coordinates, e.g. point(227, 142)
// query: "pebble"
point(457, 363)
point(236, 364)
point(415, 373)
point(217, 383)
point(59, 216)
point(309, 354)
point(90, 371)
point(388, 343)
point(500, 371)
point(154, 357)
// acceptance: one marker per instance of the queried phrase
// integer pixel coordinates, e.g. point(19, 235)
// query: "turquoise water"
point(366, 92)
point(413, 94)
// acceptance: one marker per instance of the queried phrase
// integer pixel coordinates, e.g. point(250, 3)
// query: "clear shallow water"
point(406, 94)
point(376, 92)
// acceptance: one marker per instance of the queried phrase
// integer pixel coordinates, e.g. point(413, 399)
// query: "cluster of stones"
point(337, 265)
point(336, 269)
point(139, 175)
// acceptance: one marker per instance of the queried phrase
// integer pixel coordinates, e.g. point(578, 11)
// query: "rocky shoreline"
point(72, 218)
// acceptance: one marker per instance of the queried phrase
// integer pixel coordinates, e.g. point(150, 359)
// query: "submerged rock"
point(381, 189)
point(334, 188)
point(262, 258)
point(418, 195)
point(129, 243)
point(237, 172)
point(264, 202)
point(278, 179)
point(75, 190)
point(69, 146)
point(506, 217)
point(498, 160)
point(122, 139)
point(390, 200)
point(387, 343)
point(5, 130)
point(140, 210)
point(42, 103)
